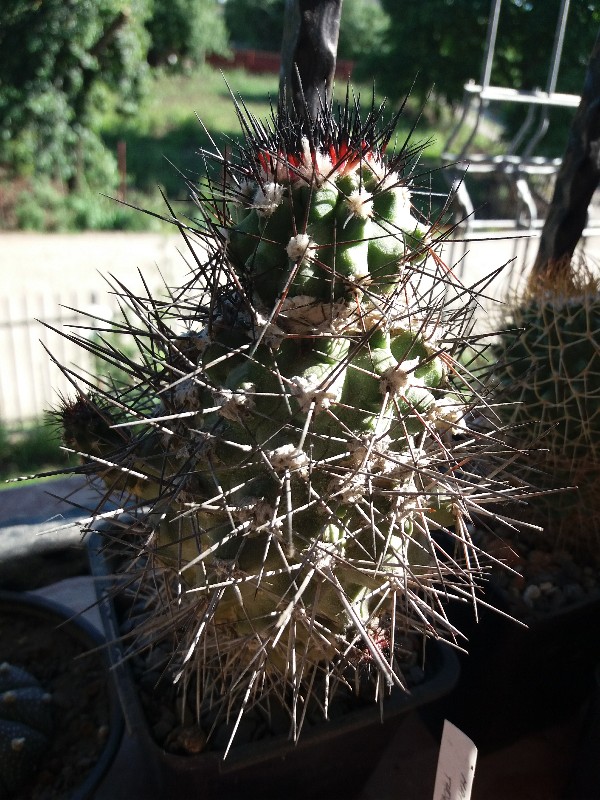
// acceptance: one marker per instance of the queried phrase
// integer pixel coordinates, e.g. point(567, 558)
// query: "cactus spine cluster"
point(298, 428)
point(549, 380)
point(26, 725)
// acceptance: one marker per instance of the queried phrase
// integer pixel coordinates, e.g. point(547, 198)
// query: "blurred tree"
point(259, 24)
point(61, 58)
point(362, 29)
point(441, 43)
point(182, 32)
point(58, 57)
point(255, 23)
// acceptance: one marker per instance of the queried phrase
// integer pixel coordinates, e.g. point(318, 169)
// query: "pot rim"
point(88, 635)
point(437, 683)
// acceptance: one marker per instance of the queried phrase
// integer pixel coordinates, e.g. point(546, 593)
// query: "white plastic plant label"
point(456, 765)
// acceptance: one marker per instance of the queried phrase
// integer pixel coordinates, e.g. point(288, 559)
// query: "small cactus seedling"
point(298, 429)
point(25, 727)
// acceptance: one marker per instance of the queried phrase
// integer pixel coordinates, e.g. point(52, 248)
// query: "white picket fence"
point(30, 382)
point(44, 277)
point(30, 379)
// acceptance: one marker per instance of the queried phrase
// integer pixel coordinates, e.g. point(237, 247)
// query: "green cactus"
point(548, 385)
point(299, 428)
point(549, 375)
point(25, 727)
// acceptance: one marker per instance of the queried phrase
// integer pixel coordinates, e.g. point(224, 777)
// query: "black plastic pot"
point(330, 760)
point(63, 625)
point(585, 774)
point(516, 680)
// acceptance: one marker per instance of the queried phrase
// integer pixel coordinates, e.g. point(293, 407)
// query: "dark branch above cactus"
point(308, 54)
point(576, 182)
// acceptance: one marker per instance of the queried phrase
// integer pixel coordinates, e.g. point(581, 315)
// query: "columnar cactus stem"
point(299, 430)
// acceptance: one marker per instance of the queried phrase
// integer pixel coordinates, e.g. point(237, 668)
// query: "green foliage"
point(362, 28)
point(33, 448)
point(441, 44)
point(184, 31)
point(51, 84)
point(255, 23)
point(73, 59)
point(45, 207)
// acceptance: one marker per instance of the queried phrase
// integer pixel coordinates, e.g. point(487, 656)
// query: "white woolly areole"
point(188, 395)
point(350, 489)
point(246, 189)
point(299, 247)
point(255, 510)
point(448, 416)
point(268, 198)
point(404, 219)
point(307, 393)
point(305, 312)
point(380, 170)
point(360, 203)
point(350, 320)
point(409, 224)
point(371, 451)
point(397, 379)
point(314, 167)
point(268, 332)
point(234, 405)
point(288, 457)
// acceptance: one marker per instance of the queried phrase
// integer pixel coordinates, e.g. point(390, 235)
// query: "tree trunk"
point(308, 54)
point(576, 181)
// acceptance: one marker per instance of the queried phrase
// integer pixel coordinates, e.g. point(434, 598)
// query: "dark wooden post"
point(308, 54)
point(576, 181)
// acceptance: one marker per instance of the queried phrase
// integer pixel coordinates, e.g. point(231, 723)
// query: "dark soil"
point(77, 681)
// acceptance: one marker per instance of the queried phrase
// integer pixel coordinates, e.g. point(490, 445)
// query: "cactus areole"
point(297, 428)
